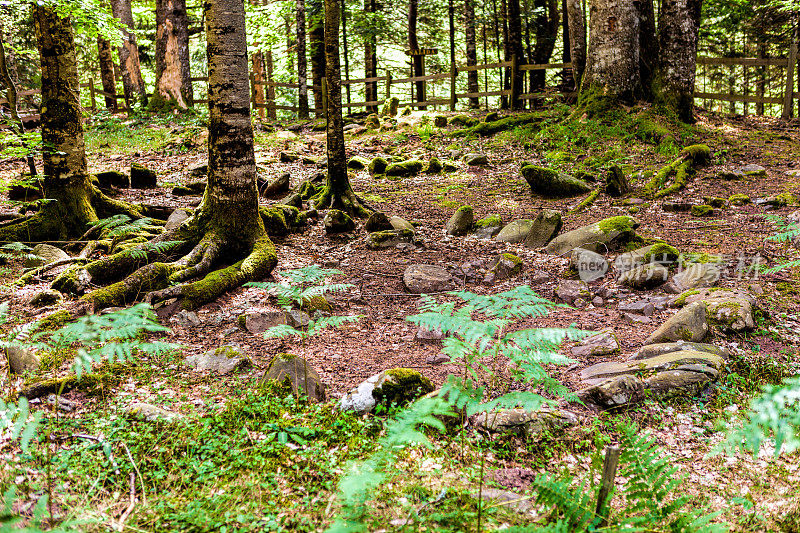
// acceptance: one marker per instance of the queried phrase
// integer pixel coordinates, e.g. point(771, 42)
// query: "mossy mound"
point(549, 183)
point(400, 386)
point(377, 166)
point(704, 210)
point(739, 199)
point(357, 163)
point(404, 169)
point(463, 121)
point(390, 106)
point(490, 221)
point(434, 166)
point(503, 124)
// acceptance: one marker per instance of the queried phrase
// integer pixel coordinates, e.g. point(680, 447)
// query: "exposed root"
point(681, 168)
point(349, 202)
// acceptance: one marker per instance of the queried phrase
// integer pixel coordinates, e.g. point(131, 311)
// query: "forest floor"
point(227, 471)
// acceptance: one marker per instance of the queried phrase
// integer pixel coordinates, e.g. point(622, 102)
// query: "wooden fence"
point(708, 87)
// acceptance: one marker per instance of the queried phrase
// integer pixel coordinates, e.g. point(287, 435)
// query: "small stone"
point(425, 279)
point(440, 121)
point(297, 318)
point(702, 211)
point(401, 224)
point(390, 387)
point(357, 163)
point(142, 177)
point(580, 303)
point(389, 238)
point(506, 265)
point(21, 359)
point(544, 229)
point(644, 277)
point(336, 221)
point(186, 319)
point(176, 219)
point(461, 221)
point(377, 221)
point(437, 359)
point(515, 231)
point(601, 343)
point(598, 301)
point(590, 266)
point(426, 335)
point(288, 157)
point(476, 159)
point(260, 321)
point(697, 275)
point(570, 290)
point(688, 324)
point(151, 413)
point(636, 319)
point(639, 307)
point(754, 171)
point(45, 297)
point(222, 360)
point(277, 187)
point(677, 207)
point(297, 375)
point(606, 234)
point(45, 254)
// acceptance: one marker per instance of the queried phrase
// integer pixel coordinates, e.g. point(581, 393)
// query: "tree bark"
point(258, 76)
point(678, 28)
point(515, 48)
point(577, 39)
point(472, 52)
point(612, 73)
point(546, 22)
point(370, 57)
point(316, 41)
point(568, 82)
point(106, 59)
point(417, 65)
point(132, 81)
point(302, 59)
point(337, 193)
point(648, 46)
point(344, 47)
point(173, 76)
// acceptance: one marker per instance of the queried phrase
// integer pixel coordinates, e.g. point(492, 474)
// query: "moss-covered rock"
point(713, 201)
point(552, 184)
point(610, 233)
point(700, 154)
point(434, 166)
point(407, 168)
point(389, 238)
point(378, 165)
point(505, 266)
point(142, 177)
point(440, 121)
point(372, 122)
point(357, 163)
point(294, 375)
point(112, 178)
point(336, 221)
point(503, 124)
point(702, 210)
point(461, 221)
point(390, 106)
point(395, 387)
point(739, 199)
point(463, 120)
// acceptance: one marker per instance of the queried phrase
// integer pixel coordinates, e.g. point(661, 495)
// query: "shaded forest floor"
point(228, 470)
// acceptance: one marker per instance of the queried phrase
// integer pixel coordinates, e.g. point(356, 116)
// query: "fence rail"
point(710, 71)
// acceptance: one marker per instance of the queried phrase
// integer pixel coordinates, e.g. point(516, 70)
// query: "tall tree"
point(648, 46)
point(576, 21)
point(679, 23)
point(515, 48)
point(345, 50)
point(173, 76)
point(73, 201)
point(302, 59)
point(546, 21)
point(106, 60)
point(227, 226)
point(337, 192)
point(472, 52)
point(132, 81)
point(612, 71)
point(417, 65)
point(316, 46)
point(566, 57)
point(370, 55)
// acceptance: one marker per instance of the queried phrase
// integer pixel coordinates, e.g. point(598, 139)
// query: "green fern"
point(163, 247)
point(18, 420)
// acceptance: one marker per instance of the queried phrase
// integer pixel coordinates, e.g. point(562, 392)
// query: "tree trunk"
point(337, 193)
point(417, 65)
point(344, 48)
point(302, 60)
point(546, 23)
point(316, 41)
point(678, 27)
point(289, 43)
point(173, 75)
point(106, 59)
point(370, 57)
point(472, 52)
point(612, 73)
point(648, 46)
point(577, 39)
point(258, 77)
point(567, 81)
point(506, 74)
point(515, 47)
point(132, 81)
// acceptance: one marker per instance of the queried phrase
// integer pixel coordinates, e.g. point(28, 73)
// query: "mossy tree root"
point(682, 168)
point(347, 201)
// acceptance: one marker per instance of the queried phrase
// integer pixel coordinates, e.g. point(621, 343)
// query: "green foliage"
point(16, 250)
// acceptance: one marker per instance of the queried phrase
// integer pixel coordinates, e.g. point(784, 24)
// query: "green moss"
point(390, 106)
point(702, 210)
point(516, 261)
point(589, 200)
point(549, 183)
point(357, 163)
point(373, 122)
point(401, 386)
point(406, 168)
point(714, 201)
point(739, 199)
point(698, 153)
point(434, 166)
point(463, 120)
point(649, 130)
point(91, 383)
point(316, 303)
point(380, 237)
point(54, 321)
point(787, 288)
point(661, 251)
point(787, 198)
point(274, 220)
point(621, 224)
point(307, 190)
point(378, 166)
point(242, 320)
point(596, 102)
point(680, 300)
point(490, 221)
point(503, 124)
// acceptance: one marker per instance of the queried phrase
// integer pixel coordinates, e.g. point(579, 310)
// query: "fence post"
point(453, 77)
point(788, 96)
point(271, 112)
point(92, 95)
point(514, 101)
point(610, 464)
point(252, 91)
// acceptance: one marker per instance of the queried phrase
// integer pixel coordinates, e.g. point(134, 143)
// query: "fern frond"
point(573, 504)
point(17, 419)
point(316, 326)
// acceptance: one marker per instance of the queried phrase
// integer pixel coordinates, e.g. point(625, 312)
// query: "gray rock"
point(552, 184)
point(629, 318)
point(601, 343)
point(399, 223)
point(297, 318)
point(685, 359)
point(396, 386)
point(544, 229)
point(476, 159)
point(518, 503)
point(505, 265)
point(151, 413)
point(198, 170)
point(523, 422)
point(45, 297)
point(688, 324)
point(21, 359)
point(515, 231)
point(590, 265)
point(176, 219)
point(654, 350)
point(389, 238)
point(730, 311)
point(295, 374)
point(461, 221)
point(260, 321)
point(644, 277)
point(754, 171)
point(613, 392)
point(639, 307)
point(142, 177)
point(570, 290)
point(696, 275)
point(377, 221)
point(424, 279)
point(186, 319)
point(336, 221)
point(279, 186)
point(46, 254)
point(598, 237)
point(222, 360)
point(437, 359)
point(426, 335)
